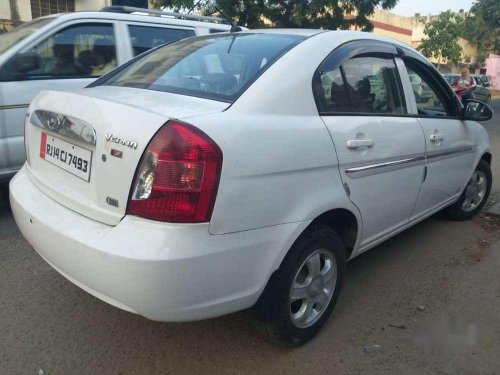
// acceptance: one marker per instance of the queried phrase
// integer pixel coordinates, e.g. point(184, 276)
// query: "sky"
point(424, 7)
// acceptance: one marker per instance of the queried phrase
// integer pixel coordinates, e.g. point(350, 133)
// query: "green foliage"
point(442, 38)
point(482, 28)
point(327, 14)
point(489, 10)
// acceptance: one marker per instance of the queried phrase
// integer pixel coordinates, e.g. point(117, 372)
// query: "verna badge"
point(121, 141)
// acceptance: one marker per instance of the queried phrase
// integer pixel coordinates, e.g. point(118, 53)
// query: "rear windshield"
point(216, 67)
point(17, 34)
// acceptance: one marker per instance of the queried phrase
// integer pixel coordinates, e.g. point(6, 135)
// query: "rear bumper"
point(165, 272)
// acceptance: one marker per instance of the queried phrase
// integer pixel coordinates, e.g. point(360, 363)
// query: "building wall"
point(81, 5)
point(393, 25)
point(410, 30)
point(493, 70)
point(23, 9)
point(5, 10)
point(383, 30)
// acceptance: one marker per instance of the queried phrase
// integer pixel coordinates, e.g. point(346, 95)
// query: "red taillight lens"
point(178, 176)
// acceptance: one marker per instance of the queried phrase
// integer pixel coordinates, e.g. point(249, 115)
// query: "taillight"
point(178, 176)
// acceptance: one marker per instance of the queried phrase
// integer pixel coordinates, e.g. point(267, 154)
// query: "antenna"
point(234, 28)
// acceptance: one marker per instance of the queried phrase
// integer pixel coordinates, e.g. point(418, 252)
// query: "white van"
point(69, 51)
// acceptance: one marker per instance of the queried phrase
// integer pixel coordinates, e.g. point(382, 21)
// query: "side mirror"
point(477, 111)
point(25, 62)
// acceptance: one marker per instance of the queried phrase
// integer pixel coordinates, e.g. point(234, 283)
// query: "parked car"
point(480, 91)
point(218, 174)
point(484, 78)
point(69, 51)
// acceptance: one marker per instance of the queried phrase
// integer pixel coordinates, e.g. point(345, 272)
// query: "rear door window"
point(147, 37)
point(363, 84)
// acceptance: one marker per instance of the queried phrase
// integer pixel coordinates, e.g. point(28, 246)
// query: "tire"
point(457, 211)
point(277, 317)
point(4, 195)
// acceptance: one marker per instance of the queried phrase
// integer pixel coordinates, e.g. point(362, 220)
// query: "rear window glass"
point(216, 67)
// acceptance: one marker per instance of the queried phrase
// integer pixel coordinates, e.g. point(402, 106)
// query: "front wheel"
point(299, 299)
point(474, 195)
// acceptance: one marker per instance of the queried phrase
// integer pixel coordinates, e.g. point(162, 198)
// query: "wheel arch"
point(348, 226)
point(486, 157)
point(345, 223)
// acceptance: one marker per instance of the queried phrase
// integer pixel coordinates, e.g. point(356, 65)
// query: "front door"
point(450, 149)
point(70, 59)
point(380, 149)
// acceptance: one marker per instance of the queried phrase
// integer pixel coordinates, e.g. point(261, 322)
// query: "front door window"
point(80, 51)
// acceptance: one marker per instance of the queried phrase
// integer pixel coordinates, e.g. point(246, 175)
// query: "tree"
point(442, 38)
point(328, 14)
point(482, 28)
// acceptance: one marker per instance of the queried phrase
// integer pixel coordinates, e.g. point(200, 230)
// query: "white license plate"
point(72, 158)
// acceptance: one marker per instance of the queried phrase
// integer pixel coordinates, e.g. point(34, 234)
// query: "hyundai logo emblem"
point(54, 122)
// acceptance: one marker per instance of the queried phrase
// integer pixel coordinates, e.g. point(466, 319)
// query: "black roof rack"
point(160, 13)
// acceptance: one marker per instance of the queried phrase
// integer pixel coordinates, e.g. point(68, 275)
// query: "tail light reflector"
point(178, 176)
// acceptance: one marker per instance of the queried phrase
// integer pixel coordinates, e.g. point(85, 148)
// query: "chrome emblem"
point(121, 141)
point(54, 122)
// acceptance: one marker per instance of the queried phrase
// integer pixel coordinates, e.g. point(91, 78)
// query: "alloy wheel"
point(312, 288)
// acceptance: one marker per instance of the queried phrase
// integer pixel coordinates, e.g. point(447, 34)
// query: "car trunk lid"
point(109, 128)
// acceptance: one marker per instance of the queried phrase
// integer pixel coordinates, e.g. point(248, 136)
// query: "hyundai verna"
point(241, 170)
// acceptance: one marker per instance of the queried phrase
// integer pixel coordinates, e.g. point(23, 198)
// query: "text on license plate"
point(72, 158)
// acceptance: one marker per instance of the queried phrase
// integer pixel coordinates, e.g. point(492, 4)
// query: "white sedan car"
point(241, 170)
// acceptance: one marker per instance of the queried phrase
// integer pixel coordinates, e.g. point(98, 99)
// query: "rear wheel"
point(474, 195)
point(302, 294)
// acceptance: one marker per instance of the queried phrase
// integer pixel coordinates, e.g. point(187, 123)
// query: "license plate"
point(72, 158)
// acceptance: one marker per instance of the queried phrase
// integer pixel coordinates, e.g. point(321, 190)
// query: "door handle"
point(353, 144)
point(436, 137)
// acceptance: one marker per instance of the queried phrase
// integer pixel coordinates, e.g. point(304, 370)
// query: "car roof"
point(144, 18)
point(297, 32)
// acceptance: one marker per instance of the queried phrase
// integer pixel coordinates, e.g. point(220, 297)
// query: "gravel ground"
point(424, 302)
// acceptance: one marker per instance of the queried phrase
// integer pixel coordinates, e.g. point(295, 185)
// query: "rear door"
point(379, 147)
point(70, 58)
point(450, 149)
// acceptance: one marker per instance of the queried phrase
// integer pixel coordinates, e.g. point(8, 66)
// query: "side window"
point(431, 102)
point(363, 84)
point(80, 51)
point(145, 37)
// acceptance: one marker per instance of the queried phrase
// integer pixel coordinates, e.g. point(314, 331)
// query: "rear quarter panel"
point(280, 164)
point(276, 170)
